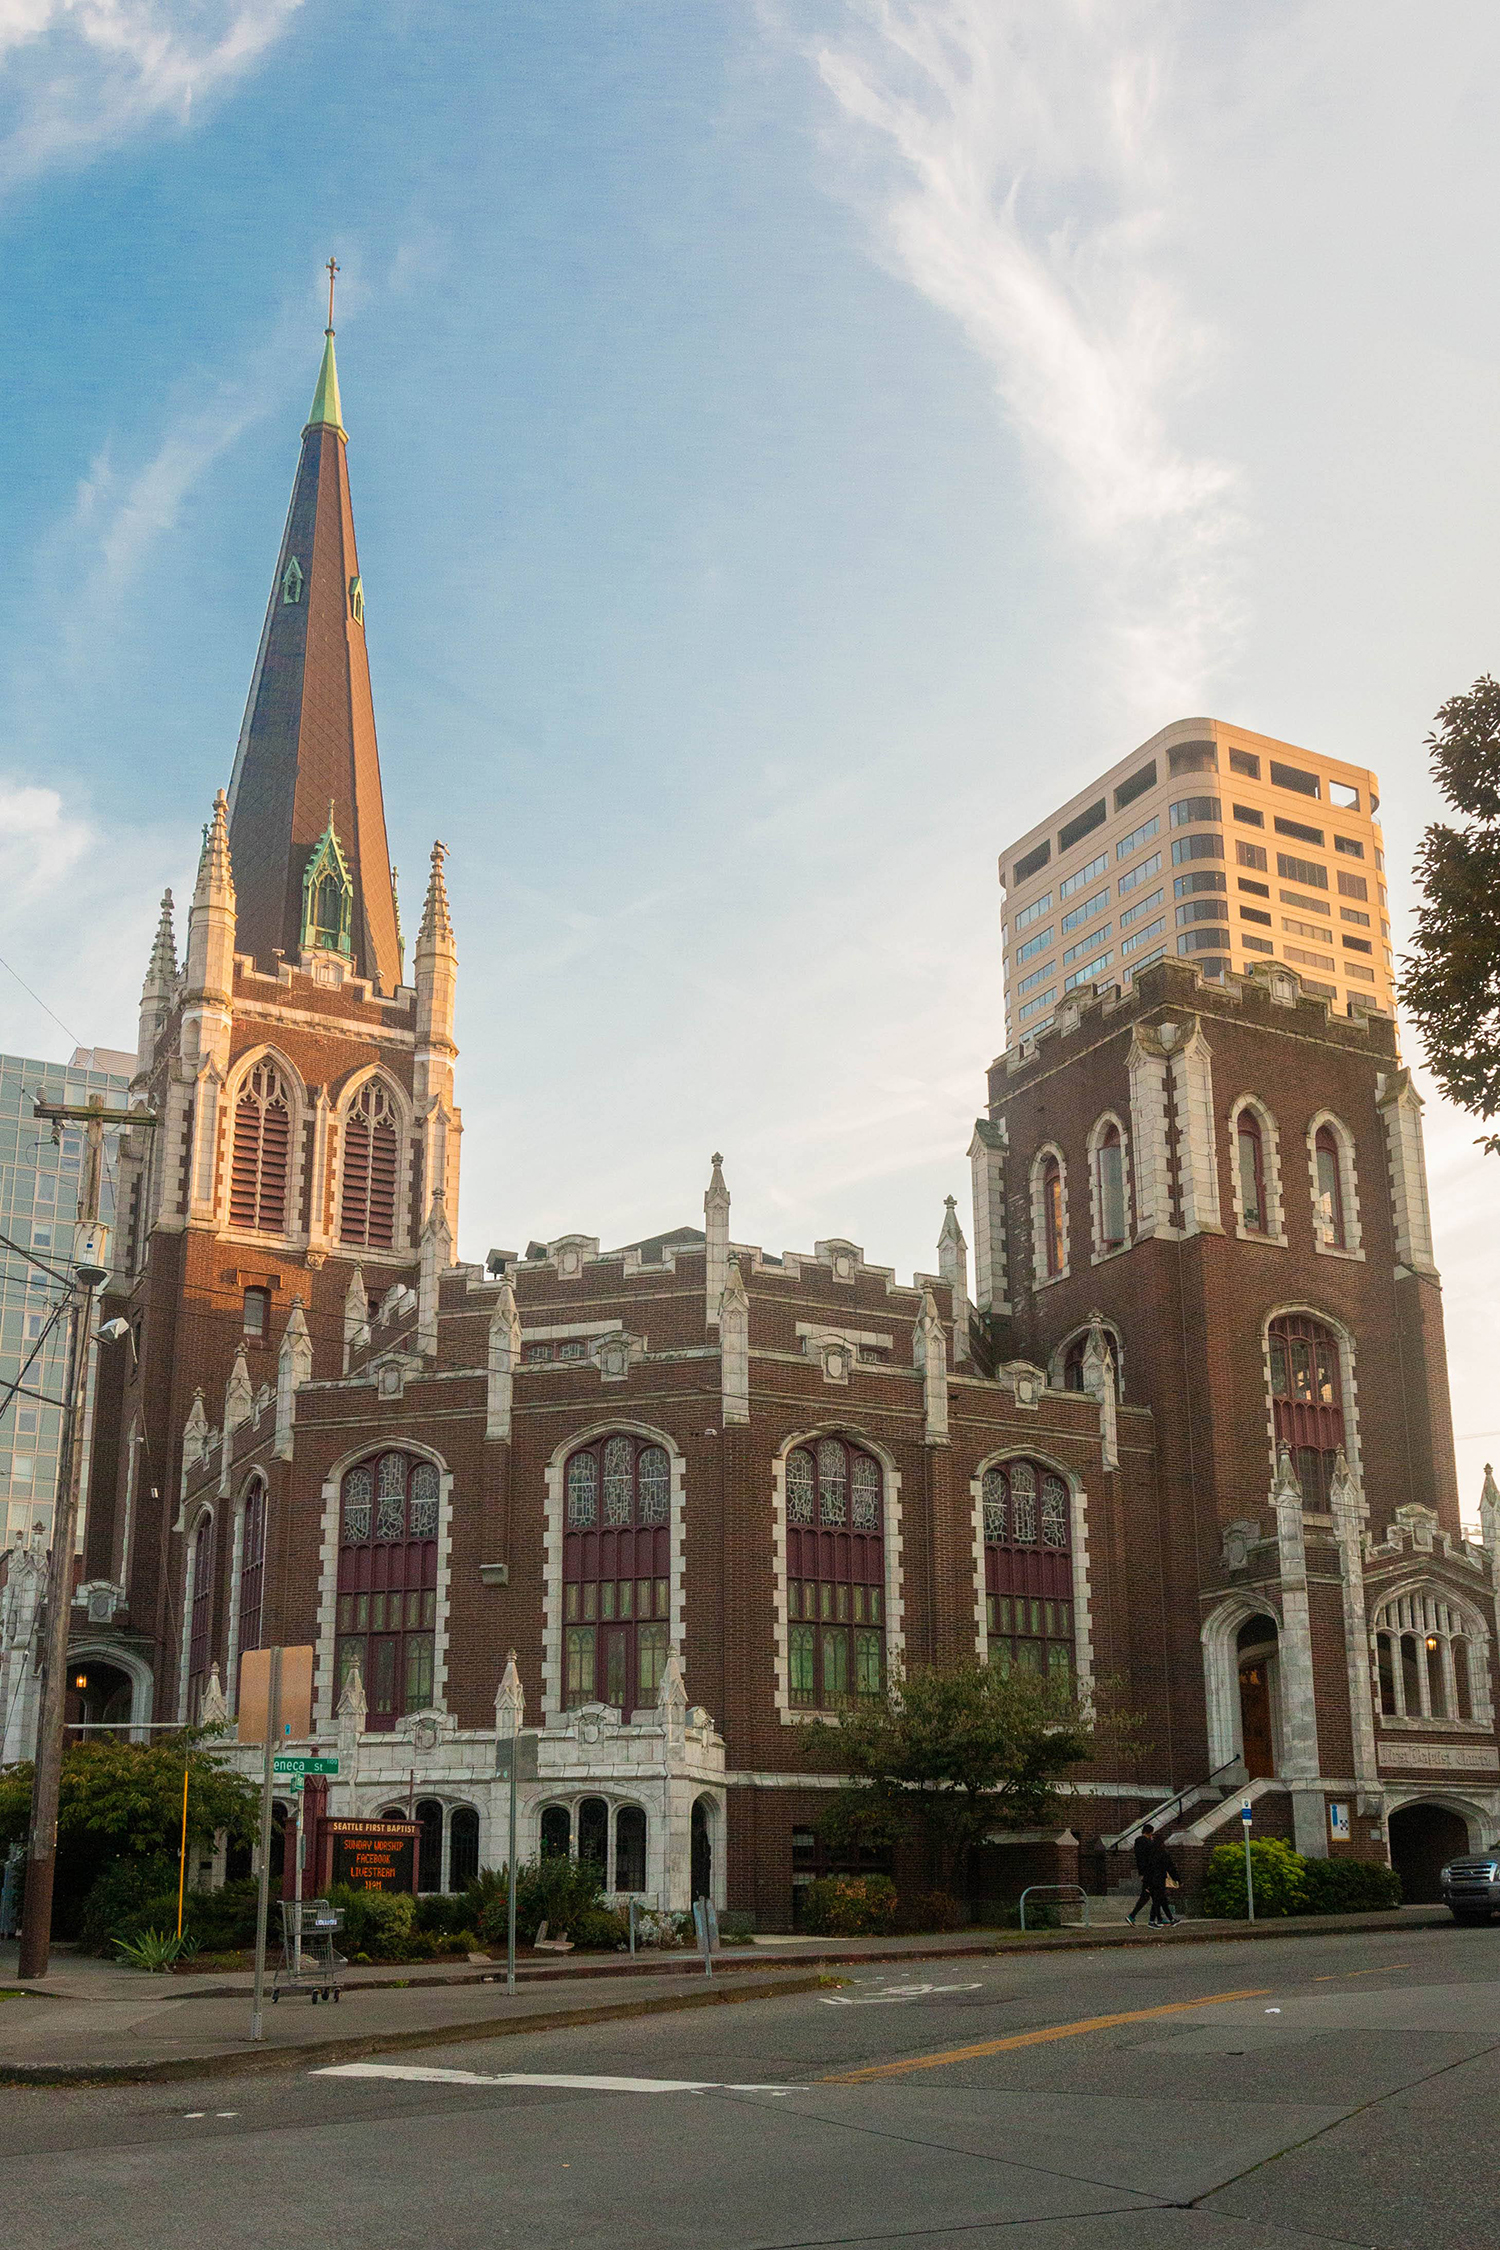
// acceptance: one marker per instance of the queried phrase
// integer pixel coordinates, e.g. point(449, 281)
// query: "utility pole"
point(88, 1273)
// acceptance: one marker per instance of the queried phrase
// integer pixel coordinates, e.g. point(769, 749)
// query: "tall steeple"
point(307, 771)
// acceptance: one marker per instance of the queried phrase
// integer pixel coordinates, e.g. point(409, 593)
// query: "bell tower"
point(302, 1089)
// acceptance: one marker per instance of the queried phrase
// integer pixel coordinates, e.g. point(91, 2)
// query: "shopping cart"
point(308, 1961)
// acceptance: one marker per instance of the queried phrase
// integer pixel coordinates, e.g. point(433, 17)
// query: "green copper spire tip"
point(325, 405)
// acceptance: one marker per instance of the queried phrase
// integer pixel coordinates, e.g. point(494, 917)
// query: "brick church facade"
point(1183, 1429)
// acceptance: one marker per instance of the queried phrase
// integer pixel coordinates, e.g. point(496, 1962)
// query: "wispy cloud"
point(77, 76)
point(1021, 182)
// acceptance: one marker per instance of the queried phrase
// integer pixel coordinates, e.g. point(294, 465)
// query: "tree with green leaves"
point(122, 1801)
point(1451, 989)
point(948, 1755)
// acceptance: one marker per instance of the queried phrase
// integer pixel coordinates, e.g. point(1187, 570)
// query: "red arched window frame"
point(1028, 1569)
point(260, 1167)
point(201, 1615)
point(252, 1568)
point(1250, 1157)
point(367, 1201)
point(1330, 1187)
point(1109, 1165)
point(835, 1566)
point(1052, 1216)
point(617, 1572)
point(387, 1593)
point(1307, 1400)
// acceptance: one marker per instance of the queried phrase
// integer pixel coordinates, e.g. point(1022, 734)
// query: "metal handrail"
point(1168, 1805)
point(1033, 1887)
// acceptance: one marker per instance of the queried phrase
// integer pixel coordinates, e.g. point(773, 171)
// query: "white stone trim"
point(1094, 1145)
point(1401, 1109)
point(562, 1330)
point(1219, 1635)
point(987, 1157)
point(1198, 1158)
point(1057, 1359)
point(1449, 1616)
point(553, 1675)
point(237, 1548)
point(1147, 1068)
point(1343, 1139)
point(323, 1698)
point(189, 1594)
point(1083, 1612)
point(1348, 1384)
point(1040, 1278)
point(1270, 1163)
point(895, 1612)
point(216, 1194)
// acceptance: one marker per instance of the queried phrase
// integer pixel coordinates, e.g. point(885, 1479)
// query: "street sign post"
point(1246, 1816)
point(295, 1763)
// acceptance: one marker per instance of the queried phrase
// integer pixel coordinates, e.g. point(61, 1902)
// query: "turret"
point(159, 989)
point(436, 973)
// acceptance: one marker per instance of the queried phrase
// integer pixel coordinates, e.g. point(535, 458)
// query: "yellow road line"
point(1385, 1969)
point(1036, 2038)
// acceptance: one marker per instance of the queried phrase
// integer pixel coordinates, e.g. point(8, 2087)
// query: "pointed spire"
point(510, 1700)
point(164, 946)
point(215, 881)
point(715, 1240)
point(437, 923)
point(308, 734)
point(953, 1266)
point(326, 411)
point(1286, 1486)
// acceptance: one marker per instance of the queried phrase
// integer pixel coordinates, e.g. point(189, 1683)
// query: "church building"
point(1181, 1428)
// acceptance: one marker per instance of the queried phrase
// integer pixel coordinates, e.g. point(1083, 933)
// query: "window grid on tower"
point(367, 1206)
point(260, 1166)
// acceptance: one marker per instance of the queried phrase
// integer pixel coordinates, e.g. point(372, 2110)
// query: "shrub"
point(849, 1906)
point(124, 1900)
point(155, 1950)
point(222, 1920)
point(441, 1914)
point(1280, 1881)
point(566, 1894)
point(377, 1924)
point(736, 1925)
point(933, 1910)
point(1348, 1886)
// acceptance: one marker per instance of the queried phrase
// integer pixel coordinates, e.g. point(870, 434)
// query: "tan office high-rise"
point(1208, 842)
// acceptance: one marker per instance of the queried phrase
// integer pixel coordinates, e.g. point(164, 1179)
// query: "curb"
point(232, 2062)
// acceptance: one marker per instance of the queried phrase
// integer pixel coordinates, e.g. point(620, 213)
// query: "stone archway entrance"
point(1423, 1839)
point(1256, 1651)
point(99, 1695)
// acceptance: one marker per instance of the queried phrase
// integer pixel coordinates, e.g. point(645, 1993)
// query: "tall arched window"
point(1330, 1188)
point(463, 1846)
point(616, 1573)
point(630, 1848)
point(1052, 1216)
point(1028, 1569)
point(260, 1166)
point(1307, 1394)
point(201, 1615)
point(1424, 1658)
point(252, 1567)
point(387, 1596)
point(1252, 1164)
point(367, 1207)
point(835, 1566)
point(1109, 1161)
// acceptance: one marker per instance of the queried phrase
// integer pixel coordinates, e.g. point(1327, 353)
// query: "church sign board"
point(369, 1855)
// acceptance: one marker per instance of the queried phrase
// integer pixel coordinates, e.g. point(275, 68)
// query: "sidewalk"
point(93, 2021)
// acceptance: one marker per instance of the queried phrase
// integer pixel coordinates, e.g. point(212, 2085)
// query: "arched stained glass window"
point(616, 1573)
point(201, 1615)
point(1307, 1400)
point(387, 1590)
point(1330, 1188)
point(1110, 1161)
point(1251, 1158)
point(1028, 1569)
point(835, 1575)
point(260, 1164)
point(1053, 1248)
point(252, 1567)
point(367, 1207)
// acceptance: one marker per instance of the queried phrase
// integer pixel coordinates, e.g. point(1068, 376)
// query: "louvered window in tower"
point(260, 1168)
point(367, 1212)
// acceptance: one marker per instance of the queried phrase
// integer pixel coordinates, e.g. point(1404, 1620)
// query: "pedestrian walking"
point(1145, 1844)
point(1161, 1879)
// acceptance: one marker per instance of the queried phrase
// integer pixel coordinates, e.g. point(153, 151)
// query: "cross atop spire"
point(333, 267)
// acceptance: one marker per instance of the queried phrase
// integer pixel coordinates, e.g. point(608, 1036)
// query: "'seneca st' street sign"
point(304, 1765)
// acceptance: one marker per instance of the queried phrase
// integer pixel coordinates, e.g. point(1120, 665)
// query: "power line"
point(41, 1003)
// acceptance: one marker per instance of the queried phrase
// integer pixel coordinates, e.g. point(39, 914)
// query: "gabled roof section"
point(308, 738)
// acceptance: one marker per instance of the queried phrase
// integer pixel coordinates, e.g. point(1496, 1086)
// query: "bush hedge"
point(1286, 1883)
point(849, 1906)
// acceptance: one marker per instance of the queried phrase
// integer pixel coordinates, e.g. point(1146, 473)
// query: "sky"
point(793, 446)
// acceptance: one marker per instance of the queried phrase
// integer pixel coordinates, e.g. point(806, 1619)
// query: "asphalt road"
point(1220, 2097)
